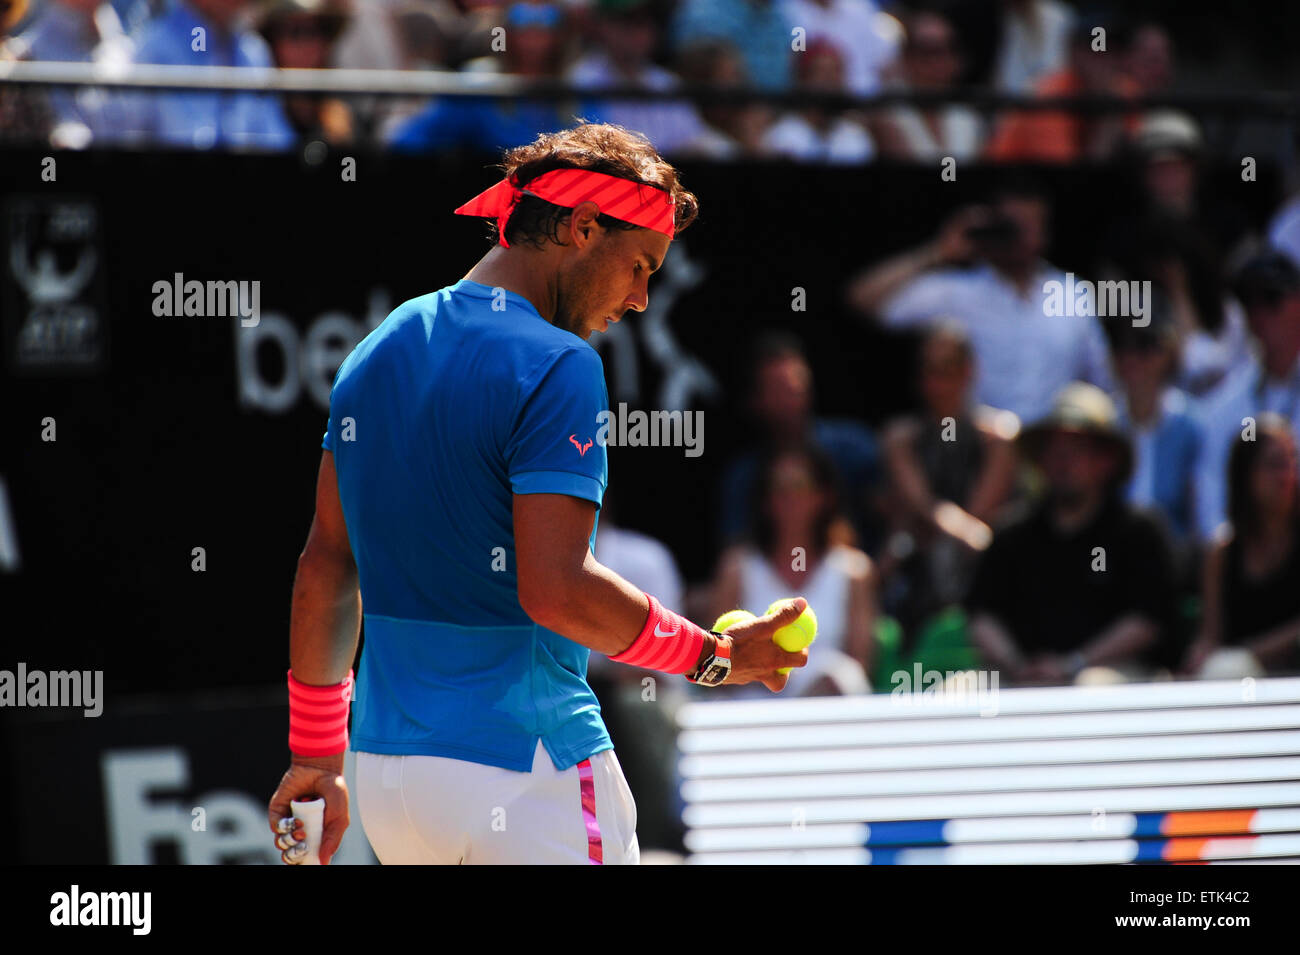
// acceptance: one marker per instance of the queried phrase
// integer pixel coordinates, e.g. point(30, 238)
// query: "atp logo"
point(582, 448)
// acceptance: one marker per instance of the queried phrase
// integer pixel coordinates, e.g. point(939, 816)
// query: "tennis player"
point(457, 501)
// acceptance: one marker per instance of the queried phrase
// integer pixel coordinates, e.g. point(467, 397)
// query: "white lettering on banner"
point(143, 802)
point(308, 362)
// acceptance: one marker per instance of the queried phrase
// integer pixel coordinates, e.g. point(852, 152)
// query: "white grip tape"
point(312, 814)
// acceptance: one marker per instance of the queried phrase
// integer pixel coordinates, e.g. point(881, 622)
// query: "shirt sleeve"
point(557, 445)
point(920, 301)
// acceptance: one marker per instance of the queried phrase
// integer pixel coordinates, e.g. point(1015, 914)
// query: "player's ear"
point(583, 226)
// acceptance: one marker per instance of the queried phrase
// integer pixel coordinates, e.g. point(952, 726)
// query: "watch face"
point(716, 672)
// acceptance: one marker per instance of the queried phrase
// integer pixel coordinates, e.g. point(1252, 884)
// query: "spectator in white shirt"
point(868, 40)
point(814, 134)
point(932, 62)
point(985, 271)
point(1269, 288)
point(1035, 43)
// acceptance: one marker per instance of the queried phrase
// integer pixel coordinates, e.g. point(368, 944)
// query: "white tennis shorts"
point(431, 810)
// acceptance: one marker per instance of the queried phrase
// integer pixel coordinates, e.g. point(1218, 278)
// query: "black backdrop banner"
point(157, 472)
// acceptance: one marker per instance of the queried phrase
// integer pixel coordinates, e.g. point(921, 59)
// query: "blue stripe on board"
point(1151, 850)
point(913, 832)
point(1148, 823)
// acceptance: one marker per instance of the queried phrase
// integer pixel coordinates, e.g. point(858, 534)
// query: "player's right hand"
point(755, 657)
point(310, 776)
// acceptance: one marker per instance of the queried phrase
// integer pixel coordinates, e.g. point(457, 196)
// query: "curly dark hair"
point(599, 147)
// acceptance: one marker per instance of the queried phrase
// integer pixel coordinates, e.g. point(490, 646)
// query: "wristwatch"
point(717, 667)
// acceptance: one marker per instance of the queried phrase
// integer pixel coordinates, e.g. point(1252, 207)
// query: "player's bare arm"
point(562, 587)
point(324, 628)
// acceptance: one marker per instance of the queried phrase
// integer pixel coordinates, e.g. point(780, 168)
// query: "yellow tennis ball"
point(795, 636)
point(730, 619)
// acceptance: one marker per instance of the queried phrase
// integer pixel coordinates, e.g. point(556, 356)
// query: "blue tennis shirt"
point(456, 401)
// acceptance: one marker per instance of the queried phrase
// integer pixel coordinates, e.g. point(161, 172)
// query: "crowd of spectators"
point(1074, 497)
point(858, 47)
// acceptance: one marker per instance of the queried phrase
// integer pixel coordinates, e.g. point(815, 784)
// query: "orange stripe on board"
point(1226, 822)
point(1184, 850)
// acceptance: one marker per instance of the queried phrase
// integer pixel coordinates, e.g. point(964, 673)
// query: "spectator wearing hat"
point(814, 134)
point(302, 34)
point(1169, 150)
point(626, 34)
point(1083, 581)
point(204, 120)
point(1268, 287)
point(1252, 601)
point(1180, 241)
point(1159, 420)
point(537, 47)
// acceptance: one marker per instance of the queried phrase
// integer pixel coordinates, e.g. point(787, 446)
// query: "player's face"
point(608, 277)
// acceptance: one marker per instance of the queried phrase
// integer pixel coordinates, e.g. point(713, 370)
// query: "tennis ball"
point(731, 618)
point(795, 636)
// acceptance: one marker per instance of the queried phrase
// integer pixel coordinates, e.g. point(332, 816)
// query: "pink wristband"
point(668, 642)
point(318, 717)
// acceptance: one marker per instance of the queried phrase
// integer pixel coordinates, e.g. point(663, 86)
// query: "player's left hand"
point(307, 776)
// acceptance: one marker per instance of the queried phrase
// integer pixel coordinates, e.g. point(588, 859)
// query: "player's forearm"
point(592, 606)
point(597, 608)
point(325, 623)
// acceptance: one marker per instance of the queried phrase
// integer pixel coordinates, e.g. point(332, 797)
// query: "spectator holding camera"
point(985, 270)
